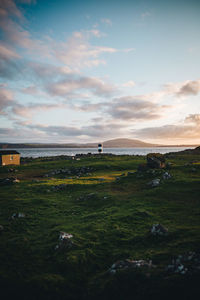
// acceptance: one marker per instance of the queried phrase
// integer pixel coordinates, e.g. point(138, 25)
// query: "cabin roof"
point(5, 152)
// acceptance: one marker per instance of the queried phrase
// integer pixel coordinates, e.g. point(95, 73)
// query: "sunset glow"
point(85, 71)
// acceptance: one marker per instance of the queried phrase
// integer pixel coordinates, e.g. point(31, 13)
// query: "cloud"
point(106, 21)
point(189, 88)
point(183, 89)
point(77, 52)
point(11, 25)
point(193, 118)
point(93, 130)
point(7, 53)
point(129, 83)
point(29, 110)
point(70, 85)
point(145, 14)
point(133, 108)
point(8, 7)
point(9, 61)
point(6, 100)
point(188, 130)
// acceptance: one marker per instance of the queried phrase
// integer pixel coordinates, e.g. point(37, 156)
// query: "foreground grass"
point(113, 224)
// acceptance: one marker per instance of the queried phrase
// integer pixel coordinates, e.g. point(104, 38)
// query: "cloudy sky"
point(90, 70)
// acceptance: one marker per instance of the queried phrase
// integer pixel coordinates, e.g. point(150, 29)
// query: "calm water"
point(41, 152)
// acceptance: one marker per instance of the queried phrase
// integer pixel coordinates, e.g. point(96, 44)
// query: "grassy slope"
point(113, 224)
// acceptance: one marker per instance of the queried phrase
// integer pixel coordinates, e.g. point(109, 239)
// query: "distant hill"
point(115, 143)
point(126, 143)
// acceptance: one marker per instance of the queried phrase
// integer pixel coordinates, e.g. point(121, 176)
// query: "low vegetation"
point(108, 208)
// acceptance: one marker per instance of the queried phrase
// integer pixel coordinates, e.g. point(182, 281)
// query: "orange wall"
point(6, 159)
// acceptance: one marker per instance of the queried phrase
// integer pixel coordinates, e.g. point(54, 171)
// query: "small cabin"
point(9, 157)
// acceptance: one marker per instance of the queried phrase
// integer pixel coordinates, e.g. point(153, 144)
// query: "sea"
point(44, 152)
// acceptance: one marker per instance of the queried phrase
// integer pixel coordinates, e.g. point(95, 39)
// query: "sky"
point(88, 71)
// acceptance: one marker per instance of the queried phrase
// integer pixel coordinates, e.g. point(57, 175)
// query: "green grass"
point(110, 225)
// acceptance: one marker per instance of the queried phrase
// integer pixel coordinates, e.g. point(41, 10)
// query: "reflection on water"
point(41, 152)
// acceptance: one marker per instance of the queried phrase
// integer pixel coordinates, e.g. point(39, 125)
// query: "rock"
point(36, 180)
point(169, 165)
point(158, 229)
point(10, 180)
point(16, 180)
point(127, 264)
point(65, 241)
point(87, 197)
point(154, 183)
point(166, 176)
point(59, 187)
point(155, 160)
point(1, 228)
point(17, 215)
point(130, 173)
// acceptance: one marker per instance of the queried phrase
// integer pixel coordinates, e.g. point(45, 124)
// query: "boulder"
point(1, 228)
point(17, 215)
point(65, 241)
point(158, 229)
point(155, 161)
point(166, 176)
point(154, 183)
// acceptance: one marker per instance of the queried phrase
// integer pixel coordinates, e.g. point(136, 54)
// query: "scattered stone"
point(12, 170)
point(87, 197)
point(101, 179)
point(59, 187)
point(10, 180)
point(17, 215)
point(186, 263)
point(158, 229)
point(16, 180)
point(80, 171)
point(154, 183)
point(166, 176)
point(127, 264)
point(36, 180)
point(65, 241)
point(130, 173)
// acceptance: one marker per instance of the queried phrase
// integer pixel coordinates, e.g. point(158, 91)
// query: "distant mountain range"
point(115, 143)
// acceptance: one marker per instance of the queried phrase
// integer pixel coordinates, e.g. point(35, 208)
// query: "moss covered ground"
point(109, 212)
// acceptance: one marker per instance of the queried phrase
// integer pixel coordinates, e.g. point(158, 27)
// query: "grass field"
point(109, 209)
